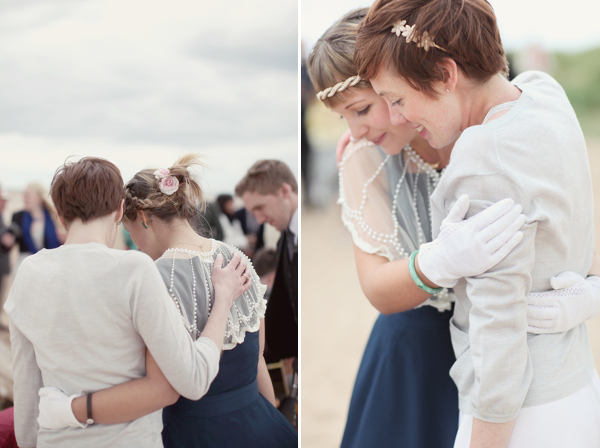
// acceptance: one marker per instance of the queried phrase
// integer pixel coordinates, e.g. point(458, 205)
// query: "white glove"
point(572, 301)
point(469, 247)
point(55, 409)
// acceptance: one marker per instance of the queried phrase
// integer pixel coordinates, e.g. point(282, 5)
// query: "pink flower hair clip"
point(166, 183)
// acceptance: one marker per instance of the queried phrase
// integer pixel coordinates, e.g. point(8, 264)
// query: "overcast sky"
point(566, 25)
point(142, 82)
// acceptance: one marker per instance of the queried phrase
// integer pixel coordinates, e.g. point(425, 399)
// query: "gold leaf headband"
point(424, 41)
point(339, 87)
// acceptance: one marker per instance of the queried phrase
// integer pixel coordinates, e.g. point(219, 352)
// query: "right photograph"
point(450, 284)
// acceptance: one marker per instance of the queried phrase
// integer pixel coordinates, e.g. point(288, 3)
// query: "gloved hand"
point(55, 409)
point(572, 301)
point(468, 247)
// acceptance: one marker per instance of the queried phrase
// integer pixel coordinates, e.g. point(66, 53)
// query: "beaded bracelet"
point(415, 276)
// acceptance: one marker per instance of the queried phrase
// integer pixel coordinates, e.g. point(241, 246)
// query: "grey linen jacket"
point(535, 154)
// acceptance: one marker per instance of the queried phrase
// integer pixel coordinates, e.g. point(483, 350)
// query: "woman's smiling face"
point(368, 117)
point(435, 119)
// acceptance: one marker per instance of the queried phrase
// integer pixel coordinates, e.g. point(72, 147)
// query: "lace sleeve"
point(366, 200)
point(248, 309)
point(187, 275)
point(385, 203)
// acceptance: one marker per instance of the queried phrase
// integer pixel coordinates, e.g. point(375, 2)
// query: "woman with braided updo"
point(161, 208)
point(403, 395)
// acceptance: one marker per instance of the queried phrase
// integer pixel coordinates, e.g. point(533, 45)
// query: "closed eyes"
point(364, 111)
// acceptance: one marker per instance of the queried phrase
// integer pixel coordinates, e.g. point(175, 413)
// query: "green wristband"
point(415, 276)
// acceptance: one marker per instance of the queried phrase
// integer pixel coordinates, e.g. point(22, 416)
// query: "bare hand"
point(230, 281)
point(341, 146)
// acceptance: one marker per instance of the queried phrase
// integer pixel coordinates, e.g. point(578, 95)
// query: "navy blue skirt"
point(233, 413)
point(403, 396)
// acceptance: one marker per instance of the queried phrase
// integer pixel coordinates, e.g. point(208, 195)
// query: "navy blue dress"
point(403, 396)
point(232, 413)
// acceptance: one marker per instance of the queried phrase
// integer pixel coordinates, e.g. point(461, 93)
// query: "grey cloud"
point(269, 44)
point(249, 93)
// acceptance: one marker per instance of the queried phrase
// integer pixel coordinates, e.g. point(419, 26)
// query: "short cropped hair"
point(87, 189)
point(467, 29)
point(266, 177)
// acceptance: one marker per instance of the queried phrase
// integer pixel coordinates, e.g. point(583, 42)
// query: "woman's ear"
point(120, 211)
point(449, 71)
point(61, 221)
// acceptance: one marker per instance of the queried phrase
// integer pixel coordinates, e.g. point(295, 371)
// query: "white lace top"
point(385, 203)
point(187, 274)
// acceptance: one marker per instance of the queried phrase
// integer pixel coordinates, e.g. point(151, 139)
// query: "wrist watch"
point(90, 420)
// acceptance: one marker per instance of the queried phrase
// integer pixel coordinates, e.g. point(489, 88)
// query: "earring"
point(448, 90)
point(144, 224)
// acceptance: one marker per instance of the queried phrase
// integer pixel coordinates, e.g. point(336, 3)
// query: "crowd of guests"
point(269, 193)
point(31, 229)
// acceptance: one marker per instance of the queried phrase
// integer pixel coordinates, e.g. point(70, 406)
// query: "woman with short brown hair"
point(441, 68)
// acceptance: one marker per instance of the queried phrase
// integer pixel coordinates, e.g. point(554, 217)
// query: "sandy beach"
point(337, 318)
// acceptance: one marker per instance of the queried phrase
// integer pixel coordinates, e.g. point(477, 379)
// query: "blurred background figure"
point(6, 242)
point(254, 231)
point(270, 192)
point(307, 97)
point(7, 433)
point(210, 225)
point(38, 228)
point(283, 372)
point(232, 228)
point(265, 264)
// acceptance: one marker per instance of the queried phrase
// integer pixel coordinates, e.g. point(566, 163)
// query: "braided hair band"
point(339, 87)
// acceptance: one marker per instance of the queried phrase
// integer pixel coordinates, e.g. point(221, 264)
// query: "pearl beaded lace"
point(193, 295)
point(385, 203)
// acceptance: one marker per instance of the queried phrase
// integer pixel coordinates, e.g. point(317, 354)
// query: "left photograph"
point(149, 224)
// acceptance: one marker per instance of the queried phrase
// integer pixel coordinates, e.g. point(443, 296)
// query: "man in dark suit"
point(270, 191)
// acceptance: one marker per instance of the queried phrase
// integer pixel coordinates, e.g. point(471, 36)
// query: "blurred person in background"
point(6, 242)
point(254, 231)
point(84, 316)
point(265, 264)
point(36, 223)
point(238, 409)
point(233, 234)
point(210, 221)
point(403, 395)
point(307, 96)
point(7, 428)
point(270, 191)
